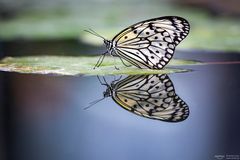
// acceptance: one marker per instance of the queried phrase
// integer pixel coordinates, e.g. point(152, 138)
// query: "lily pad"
point(67, 65)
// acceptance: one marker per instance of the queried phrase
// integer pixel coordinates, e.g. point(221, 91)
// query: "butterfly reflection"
point(151, 96)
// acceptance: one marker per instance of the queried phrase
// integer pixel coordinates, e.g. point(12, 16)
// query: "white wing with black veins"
point(151, 96)
point(151, 43)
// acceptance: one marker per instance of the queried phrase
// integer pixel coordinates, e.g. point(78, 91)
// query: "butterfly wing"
point(151, 96)
point(151, 43)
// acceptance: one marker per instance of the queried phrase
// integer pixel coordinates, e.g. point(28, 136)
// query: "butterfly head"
point(107, 93)
point(108, 44)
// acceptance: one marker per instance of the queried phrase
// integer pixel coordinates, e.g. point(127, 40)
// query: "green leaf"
point(66, 65)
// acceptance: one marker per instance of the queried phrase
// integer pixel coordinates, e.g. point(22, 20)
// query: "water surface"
point(43, 117)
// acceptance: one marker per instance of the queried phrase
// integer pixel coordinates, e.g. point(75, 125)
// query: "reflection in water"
point(151, 96)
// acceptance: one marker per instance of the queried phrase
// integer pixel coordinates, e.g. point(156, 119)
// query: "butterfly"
point(147, 44)
point(151, 96)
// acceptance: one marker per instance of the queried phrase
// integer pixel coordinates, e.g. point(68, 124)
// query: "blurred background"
point(42, 118)
point(52, 26)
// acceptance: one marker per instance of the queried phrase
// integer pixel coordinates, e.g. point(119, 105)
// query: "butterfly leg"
point(102, 83)
point(100, 60)
point(115, 80)
point(114, 62)
point(112, 53)
point(116, 68)
point(118, 78)
point(124, 63)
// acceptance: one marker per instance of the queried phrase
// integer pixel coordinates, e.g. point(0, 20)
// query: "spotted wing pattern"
point(151, 96)
point(151, 43)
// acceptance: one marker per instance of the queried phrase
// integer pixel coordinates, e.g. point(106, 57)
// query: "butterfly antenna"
point(93, 103)
point(94, 33)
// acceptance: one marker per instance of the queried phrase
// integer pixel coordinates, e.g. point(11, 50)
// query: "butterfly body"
point(108, 92)
point(109, 45)
point(150, 43)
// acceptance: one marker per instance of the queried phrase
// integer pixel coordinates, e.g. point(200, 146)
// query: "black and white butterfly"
point(151, 96)
point(147, 44)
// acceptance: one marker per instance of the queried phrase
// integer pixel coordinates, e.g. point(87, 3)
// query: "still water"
point(43, 117)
